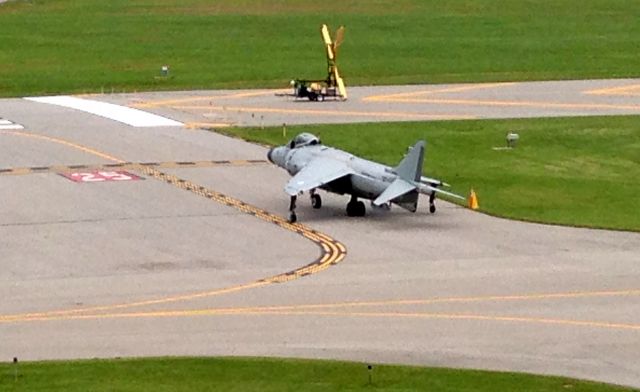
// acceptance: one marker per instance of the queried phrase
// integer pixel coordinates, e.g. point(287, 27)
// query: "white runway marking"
point(123, 114)
point(6, 125)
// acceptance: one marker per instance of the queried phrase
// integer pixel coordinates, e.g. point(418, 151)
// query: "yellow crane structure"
point(333, 86)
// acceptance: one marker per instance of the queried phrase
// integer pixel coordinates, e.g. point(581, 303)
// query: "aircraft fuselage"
point(369, 181)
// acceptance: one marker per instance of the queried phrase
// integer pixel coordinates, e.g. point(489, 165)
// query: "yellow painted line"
point(457, 316)
point(64, 143)
point(326, 244)
point(339, 305)
point(428, 301)
point(205, 125)
point(633, 89)
point(171, 102)
point(168, 102)
point(321, 112)
point(391, 97)
point(525, 297)
point(127, 166)
point(253, 94)
point(419, 315)
point(476, 102)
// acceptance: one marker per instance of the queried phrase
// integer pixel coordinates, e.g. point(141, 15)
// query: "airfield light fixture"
point(512, 139)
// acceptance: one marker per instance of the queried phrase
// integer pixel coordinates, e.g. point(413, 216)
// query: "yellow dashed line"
point(127, 165)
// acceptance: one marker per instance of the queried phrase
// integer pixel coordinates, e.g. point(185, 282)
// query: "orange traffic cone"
point(473, 200)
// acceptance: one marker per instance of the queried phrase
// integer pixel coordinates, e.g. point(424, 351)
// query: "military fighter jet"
point(316, 166)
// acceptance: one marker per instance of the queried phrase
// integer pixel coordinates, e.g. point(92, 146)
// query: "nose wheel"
point(292, 210)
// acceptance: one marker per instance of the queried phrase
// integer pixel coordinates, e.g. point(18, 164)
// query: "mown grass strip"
point(261, 374)
point(75, 46)
point(570, 171)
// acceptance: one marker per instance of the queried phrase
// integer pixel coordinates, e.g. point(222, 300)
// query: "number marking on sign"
point(101, 176)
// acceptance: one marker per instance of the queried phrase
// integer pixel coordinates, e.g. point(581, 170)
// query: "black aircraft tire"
point(293, 218)
point(432, 208)
point(360, 209)
point(351, 209)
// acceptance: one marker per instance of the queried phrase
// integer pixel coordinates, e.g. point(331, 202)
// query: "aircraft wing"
point(397, 188)
point(318, 172)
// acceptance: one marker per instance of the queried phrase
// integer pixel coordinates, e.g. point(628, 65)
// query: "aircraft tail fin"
point(410, 168)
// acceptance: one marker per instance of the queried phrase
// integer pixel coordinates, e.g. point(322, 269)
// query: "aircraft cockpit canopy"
point(304, 139)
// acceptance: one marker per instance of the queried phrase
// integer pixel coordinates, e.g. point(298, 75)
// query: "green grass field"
point(259, 374)
point(568, 171)
point(68, 46)
point(572, 171)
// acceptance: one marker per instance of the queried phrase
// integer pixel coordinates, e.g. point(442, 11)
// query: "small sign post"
point(15, 369)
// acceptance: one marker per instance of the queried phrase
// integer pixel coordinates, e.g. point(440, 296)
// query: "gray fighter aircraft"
point(314, 166)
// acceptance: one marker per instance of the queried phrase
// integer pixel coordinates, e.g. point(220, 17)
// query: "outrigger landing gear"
point(432, 204)
point(292, 210)
point(316, 201)
point(355, 207)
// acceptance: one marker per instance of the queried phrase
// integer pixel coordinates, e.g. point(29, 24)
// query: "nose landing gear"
point(292, 210)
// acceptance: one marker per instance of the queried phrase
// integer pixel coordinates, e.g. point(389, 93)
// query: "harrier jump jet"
point(315, 166)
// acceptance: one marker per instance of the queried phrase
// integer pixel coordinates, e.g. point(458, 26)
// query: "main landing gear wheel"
point(316, 201)
point(432, 204)
point(355, 208)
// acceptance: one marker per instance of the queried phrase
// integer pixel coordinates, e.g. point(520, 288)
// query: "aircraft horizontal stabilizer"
point(397, 188)
point(433, 181)
point(428, 190)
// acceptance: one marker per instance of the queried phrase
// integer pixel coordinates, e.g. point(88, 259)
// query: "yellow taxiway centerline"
point(64, 143)
point(171, 102)
point(326, 313)
point(323, 112)
point(538, 104)
point(633, 89)
point(456, 89)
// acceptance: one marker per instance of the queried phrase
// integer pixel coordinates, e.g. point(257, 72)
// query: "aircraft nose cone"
point(269, 155)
